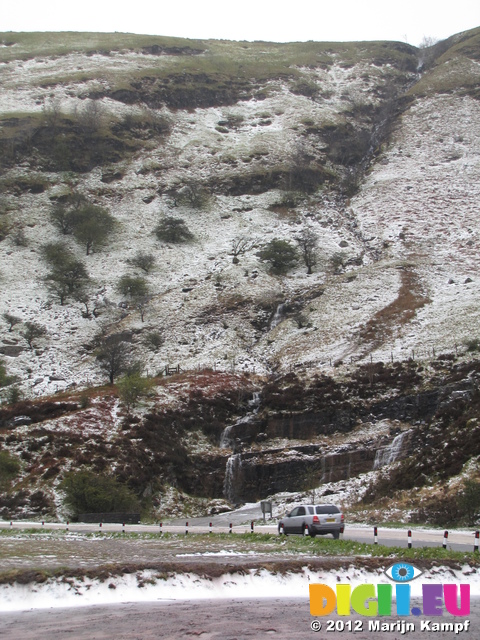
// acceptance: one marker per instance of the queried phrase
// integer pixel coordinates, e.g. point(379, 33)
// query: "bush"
point(32, 332)
point(281, 255)
point(154, 340)
point(144, 261)
point(173, 230)
point(469, 502)
point(5, 380)
point(9, 468)
point(132, 387)
point(472, 344)
point(11, 320)
point(133, 287)
point(88, 492)
point(193, 194)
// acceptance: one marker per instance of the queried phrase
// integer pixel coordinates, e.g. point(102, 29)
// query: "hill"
point(209, 163)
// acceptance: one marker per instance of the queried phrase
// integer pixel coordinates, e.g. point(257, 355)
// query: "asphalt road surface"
point(278, 618)
point(241, 519)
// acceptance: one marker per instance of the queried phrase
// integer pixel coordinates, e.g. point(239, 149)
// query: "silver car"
point(313, 519)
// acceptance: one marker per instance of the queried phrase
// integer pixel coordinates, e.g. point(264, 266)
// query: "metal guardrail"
point(161, 528)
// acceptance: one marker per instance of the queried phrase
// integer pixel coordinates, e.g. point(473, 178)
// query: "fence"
point(437, 538)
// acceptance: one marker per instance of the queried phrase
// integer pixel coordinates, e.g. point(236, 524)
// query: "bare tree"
point(11, 320)
point(240, 246)
point(307, 240)
point(92, 116)
point(144, 261)
point(192, 194)
point(32, 332)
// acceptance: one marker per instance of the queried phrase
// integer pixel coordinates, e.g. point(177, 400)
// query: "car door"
point(296, 520)
point(289, 521)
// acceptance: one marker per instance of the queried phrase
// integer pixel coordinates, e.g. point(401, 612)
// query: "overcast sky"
point(300, 20)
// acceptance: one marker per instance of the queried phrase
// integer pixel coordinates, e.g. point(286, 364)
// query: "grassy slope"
point(226, 58)
point(456, 68)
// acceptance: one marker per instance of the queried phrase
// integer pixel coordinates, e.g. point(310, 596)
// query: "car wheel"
point(336, 535)
point(312, 534)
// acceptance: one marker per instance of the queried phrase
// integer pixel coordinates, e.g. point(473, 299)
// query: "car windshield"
point(327, 508)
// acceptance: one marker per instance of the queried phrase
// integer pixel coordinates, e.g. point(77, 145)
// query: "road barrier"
point(176, 529)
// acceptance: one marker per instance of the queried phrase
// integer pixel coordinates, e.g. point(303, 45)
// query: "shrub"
point(9, 468)
point(88, 492)
point(133, 287)
point(469, 502)
point(154, 340)
point(281, 255)
point(193, 194)
point(132, 387)
point(472, 344)
point(11, 320)
point(144, 261)
point(14, 395)
point(5, 380)
point(32, 332)
point(173, 230)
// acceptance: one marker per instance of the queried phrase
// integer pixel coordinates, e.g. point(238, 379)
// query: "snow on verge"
point(147, 586)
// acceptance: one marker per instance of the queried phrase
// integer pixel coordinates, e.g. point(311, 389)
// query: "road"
point(241, 523)
point(225, 619)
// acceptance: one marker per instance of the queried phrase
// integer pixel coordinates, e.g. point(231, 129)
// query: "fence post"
point(230, 528)
point(445, 539)
point(375, 538)
point(209, 527)
point(186, 528)
point(251, 526)
point(475, 544)
point(161, 528)
point(409, 537)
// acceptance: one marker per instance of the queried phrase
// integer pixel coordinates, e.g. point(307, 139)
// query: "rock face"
point(252, 476)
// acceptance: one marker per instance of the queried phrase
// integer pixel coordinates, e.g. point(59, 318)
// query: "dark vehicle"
point(312, 520)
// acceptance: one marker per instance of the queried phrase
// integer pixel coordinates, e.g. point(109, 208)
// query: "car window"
point(294, 512)
point(326, 508)
point(301, 511)
point(310, 509)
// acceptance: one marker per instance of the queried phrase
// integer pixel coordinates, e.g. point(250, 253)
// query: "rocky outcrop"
point(251, 476)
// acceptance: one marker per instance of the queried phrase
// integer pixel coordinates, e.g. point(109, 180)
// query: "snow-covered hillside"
point(357, 144)
point(408, 239)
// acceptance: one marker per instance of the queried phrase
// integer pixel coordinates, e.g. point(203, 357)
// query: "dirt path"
point(280, 618)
